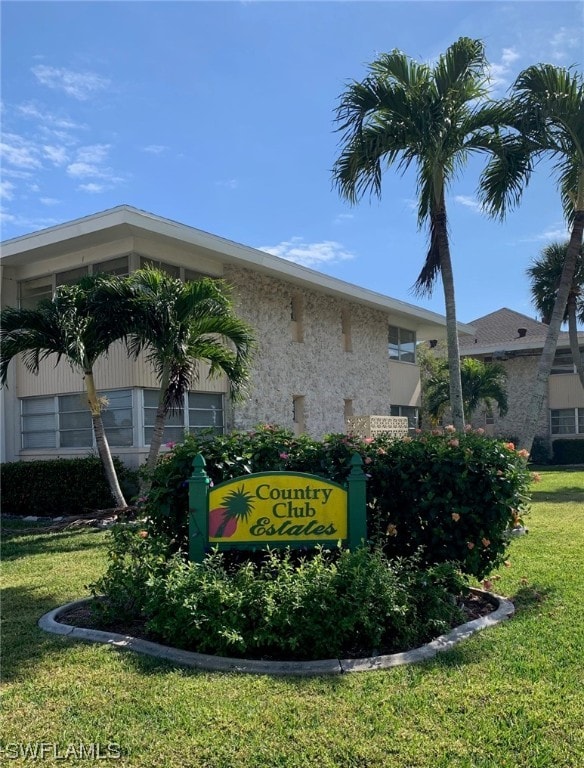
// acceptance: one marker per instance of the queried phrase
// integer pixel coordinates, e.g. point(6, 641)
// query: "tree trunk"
point(456, 401)
point(573, 332)
point(540, 387)
point(101, 442)
point(157, 433)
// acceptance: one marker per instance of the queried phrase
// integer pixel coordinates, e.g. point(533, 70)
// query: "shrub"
point(332, 604)
point(449, 497)
point(568, 451)
point(541, 451)
point(59, 487)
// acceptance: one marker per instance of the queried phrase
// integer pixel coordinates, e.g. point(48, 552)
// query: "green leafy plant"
point(449, 496)
point(331, 604)
point(61, 486)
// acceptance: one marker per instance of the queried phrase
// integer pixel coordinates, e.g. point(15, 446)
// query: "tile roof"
point(501, 328)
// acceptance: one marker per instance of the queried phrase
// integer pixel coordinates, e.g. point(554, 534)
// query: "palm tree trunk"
point(540, 386)
point(101, 442)
point(573, 333)
point(157, 433)
point(456, 400)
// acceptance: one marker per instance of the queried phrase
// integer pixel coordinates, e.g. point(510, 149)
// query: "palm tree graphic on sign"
point(235, 506)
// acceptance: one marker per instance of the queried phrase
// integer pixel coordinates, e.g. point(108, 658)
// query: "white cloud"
point(469, 202)
point(155, 149)
point(564, 41)
point(80, 85)
point(57, 155)
point(92, 187)
point(309, 254)
point(95, 153)
point(19, 152)
point(343, 217)
point(501, 73)
point(228, 183)
point(49, 201)
point(553, 232)
point(6, 190)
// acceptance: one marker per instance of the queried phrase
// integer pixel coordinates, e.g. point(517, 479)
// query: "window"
point(64, 421)
point(39, 422)
point(170, 269)
point(346, 330)
point(406, 410)
point(297, 318)
point(190, 274)
point(402, 344)
point(204, 412)
point(71, 276)
point(563, 363)
point(33, 291)
point(39, 288)
point(118, 267)
point(567, 421)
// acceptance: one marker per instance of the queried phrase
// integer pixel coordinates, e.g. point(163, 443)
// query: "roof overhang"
point(125, 221)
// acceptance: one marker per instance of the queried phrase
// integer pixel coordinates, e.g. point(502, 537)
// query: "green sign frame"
point(350, 510)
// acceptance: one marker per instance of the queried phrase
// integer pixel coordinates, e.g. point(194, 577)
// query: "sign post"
point(275, 509)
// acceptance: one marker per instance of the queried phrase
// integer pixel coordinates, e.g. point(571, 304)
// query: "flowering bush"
point(443, 496)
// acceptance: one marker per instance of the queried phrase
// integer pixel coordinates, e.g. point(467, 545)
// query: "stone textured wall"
point(317, 368)
point(520, 376)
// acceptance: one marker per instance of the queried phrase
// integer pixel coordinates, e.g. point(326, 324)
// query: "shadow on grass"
point(561, 495)
point(23, 643)
point(26, 544)
point(529, 597)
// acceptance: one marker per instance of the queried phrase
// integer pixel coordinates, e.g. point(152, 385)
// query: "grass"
point(508, 697)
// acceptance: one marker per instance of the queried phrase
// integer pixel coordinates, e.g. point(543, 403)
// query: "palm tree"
point(407, 113)
point(178, 324)
point(547, 109)
point(66, 326)
point(481, 383)
point(544, 274)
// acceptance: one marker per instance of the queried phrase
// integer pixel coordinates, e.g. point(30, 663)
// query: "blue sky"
point(220, 115)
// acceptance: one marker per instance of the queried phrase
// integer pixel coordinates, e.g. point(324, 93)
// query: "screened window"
point(170, 269)
point(203, 411)
point(33, 291)
point(402, 344)
point(567, 421)
point(191, 275)
point(75, 429)
point(71, 276)
point(64, 421)
point(410, 411)
point(562, 363)
point(39, 422)
point(112, 267)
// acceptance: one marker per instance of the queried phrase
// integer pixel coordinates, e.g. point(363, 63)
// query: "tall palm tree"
point(547, 116)
point(481, 383)
point(68, 327)
point(178, 324)
point(405, 113)
point(544, 274)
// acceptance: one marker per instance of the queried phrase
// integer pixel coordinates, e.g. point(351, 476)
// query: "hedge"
point(568, 451)
point(59, 487)
point(445, 497)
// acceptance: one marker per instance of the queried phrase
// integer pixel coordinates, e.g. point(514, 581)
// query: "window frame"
point(396, 348)
point(57, 414)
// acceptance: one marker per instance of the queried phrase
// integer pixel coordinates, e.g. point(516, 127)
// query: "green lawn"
point(510, 696)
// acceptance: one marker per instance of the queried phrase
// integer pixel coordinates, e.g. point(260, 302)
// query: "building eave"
point(125, 220)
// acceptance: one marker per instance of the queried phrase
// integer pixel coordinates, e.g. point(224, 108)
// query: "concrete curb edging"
point(50, 623)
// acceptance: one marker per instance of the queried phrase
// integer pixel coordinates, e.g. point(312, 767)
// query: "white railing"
point(372, 426)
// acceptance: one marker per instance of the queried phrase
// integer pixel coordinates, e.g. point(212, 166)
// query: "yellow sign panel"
point(277, 507)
